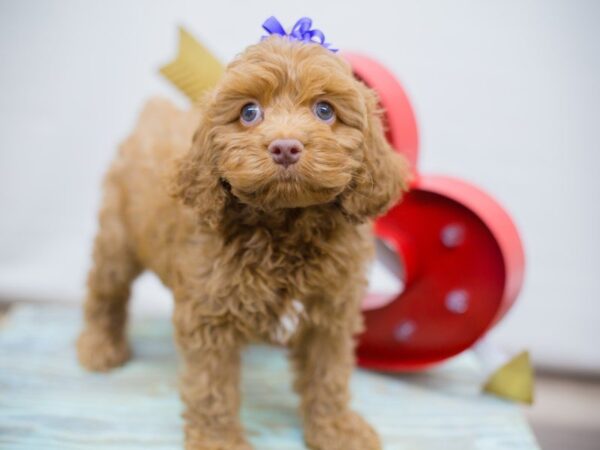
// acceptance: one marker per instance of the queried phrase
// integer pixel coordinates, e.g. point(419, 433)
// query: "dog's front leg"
point(324, 359)
point(210, 381)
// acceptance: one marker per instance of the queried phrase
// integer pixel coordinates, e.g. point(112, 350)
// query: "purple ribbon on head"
point(300, 32)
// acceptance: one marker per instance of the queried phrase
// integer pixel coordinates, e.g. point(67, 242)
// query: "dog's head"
point(288, 126)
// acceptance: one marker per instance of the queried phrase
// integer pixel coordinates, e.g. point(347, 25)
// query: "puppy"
point(265, 218)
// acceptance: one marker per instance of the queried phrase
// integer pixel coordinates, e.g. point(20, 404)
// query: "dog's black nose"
point(286, 151)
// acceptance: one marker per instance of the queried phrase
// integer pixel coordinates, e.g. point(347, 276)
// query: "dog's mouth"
point(286, 190)
point(288, 175)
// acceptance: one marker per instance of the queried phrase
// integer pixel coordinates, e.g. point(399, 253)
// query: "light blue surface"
point(48, 402)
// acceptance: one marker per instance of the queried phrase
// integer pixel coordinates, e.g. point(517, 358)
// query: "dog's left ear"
point(383, 175)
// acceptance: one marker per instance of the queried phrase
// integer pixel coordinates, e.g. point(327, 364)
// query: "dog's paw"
point(237, 444)
point(99, 352)
point(346, 431)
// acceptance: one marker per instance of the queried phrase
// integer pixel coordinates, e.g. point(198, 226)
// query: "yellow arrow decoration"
point(195, 69)
point(514, 380)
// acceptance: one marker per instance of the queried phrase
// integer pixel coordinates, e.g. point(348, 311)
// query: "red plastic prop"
point(461, 253)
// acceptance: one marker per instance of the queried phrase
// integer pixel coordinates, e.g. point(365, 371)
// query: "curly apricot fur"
point(240, 240)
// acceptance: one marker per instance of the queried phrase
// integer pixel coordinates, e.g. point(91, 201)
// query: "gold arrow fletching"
point(195, 69)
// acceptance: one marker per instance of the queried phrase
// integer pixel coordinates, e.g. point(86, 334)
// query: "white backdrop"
point(506, 94)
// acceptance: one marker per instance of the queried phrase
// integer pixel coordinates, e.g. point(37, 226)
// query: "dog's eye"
point(250, 114)
point(324, 111)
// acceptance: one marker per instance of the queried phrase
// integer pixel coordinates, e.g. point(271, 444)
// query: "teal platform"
point(47, 402)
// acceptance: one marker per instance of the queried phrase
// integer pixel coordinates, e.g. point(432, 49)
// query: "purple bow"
point(300, 32)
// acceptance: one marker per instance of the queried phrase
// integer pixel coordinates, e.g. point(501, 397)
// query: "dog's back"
point(137, 183)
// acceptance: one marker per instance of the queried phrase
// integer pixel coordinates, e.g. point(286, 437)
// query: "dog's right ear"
point(196, 181)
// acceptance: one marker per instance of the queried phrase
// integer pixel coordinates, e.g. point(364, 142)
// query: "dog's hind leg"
point(103, 343)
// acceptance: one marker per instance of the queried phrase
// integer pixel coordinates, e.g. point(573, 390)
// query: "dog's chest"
point(289, 268)
point(275, 279)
